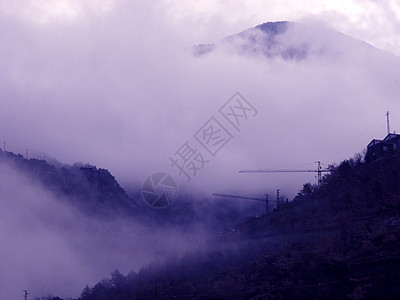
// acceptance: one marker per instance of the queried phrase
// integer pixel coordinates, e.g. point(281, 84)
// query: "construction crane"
point(266, 200)
point(319, 171)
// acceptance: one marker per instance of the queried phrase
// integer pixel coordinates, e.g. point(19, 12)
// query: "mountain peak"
point(286, 40)
point(274, 27)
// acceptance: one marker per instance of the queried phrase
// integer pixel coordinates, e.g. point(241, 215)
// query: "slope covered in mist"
point(78, 219)
point(338, 240)
point(94, 191)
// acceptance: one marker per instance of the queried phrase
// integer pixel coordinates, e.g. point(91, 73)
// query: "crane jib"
point(283, 171)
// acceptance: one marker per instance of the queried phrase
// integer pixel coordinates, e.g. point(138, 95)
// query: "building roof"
point(391, 136)
point(374, 142)
point(387, 140)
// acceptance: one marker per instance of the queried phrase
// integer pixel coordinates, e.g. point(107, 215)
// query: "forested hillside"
point(96, 192)
point(93, 190)
point(338, 240)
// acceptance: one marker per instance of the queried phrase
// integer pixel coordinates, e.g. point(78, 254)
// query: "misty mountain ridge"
point(96, 192)
point(289, 41)
point(93, 190)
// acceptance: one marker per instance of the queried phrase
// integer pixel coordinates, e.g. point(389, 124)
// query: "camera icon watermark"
point(159, 190)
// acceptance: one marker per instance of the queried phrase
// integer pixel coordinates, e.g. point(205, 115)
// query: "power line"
point(266, 199)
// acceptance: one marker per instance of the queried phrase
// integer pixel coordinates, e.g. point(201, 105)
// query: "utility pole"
point(25, 294)
point(266, 204)
point(4, 146)
point(26, 154)
point(319, 172)
point(277, 196)
point(387, 120)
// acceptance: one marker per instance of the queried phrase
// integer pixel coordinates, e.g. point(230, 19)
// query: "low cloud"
point(49, 247)
point(125, 92)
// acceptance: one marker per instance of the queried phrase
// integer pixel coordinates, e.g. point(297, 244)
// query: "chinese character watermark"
point(160, 189)
point(236, 110)
point(213, 136)
point(188, 161)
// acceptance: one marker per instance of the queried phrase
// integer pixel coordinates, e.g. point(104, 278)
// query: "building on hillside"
point(380, 148)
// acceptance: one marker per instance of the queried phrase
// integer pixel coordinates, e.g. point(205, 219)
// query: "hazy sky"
point(114, 83)
point(376, 22)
